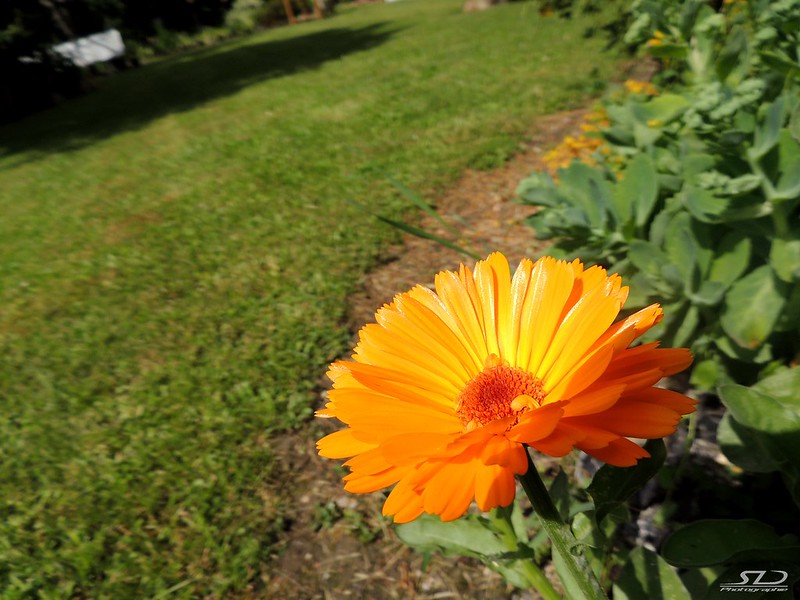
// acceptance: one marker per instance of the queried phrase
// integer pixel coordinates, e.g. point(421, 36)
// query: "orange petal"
point(635, 419)
point(454, 292)
point(673, 400)
point(368, 463)
point(494, 486)
point(392, 383)
point(590, 437)
point(579, 377)
point(500, 451)
point(584, 324)
point(404, 503)
point(363, 484)
point(408, 348)
point(519, 289)
point(596, 400)
point(550, 286)
point(493, 281)
point(620, 335)
point(648, 356)
point(391, 416)
point(450, 490)
point(620, 453)
point(342, 444)
point(558, 443)
point(536, 424)
point(412, 448)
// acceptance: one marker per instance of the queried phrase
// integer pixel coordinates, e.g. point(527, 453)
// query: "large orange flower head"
point(447, 388)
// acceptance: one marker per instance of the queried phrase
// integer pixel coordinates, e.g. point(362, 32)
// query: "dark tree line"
point(31, 25)
point(29, 28)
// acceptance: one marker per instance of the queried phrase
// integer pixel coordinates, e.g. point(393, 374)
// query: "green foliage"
point(704, 216)
point(647, 575)
point(612, 486)
point(716, 541)
point(761, 430)
point(177, 253)
point(511, 543)
point(500, 542)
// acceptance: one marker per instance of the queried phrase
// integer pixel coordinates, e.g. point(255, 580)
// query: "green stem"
point(502, 521)
point(561, 537)
point(683, 464)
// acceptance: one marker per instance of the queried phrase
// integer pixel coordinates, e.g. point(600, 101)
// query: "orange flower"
point(634, 86)
point(448, 388)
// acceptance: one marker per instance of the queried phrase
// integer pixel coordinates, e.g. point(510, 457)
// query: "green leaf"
point(767, 132)
point(732, 256)
point(421, 233)
point(715, 541)
point(663, 108)
point(683, 335)
point(668, 50)
point(744, 447)
point(775, 419)
point(762, 411)
point(641, 181)
point(697, 581)
point(538, 189)
point(788, 177)
point(612, 486)
point(794, 123)
point(752, 307)
point(761, 355)
point(707, 374)
point(784, 258)
point(559, 492)
point(783, 386)
point(685, 250)
point(651, 262)
point(703, 204)
point(420, 203)
point(710, 293)
point(733, 58)
point(647, 575)
point(646, 136)
point(469, 536)
point(781, 63)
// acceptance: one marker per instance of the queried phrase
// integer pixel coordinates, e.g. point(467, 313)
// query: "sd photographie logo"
point(758, 581)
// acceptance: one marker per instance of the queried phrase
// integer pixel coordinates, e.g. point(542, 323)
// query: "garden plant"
point(689, 188)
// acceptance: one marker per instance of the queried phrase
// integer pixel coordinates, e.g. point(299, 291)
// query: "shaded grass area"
point(176, 251)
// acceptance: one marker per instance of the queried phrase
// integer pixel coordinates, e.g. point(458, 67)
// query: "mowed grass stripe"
point(176, 251)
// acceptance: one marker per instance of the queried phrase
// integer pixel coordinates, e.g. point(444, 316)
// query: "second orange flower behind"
point(447, 388)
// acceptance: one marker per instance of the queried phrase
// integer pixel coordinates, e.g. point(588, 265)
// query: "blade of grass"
point(416, 231)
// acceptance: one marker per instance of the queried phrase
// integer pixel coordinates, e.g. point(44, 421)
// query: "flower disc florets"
point(497, 392)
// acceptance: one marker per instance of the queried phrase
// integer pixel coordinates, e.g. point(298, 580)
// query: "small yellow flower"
point(654, 123)
point(657, 39)
point(635, 86)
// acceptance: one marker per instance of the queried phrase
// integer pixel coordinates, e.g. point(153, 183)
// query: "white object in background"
point(95, 48)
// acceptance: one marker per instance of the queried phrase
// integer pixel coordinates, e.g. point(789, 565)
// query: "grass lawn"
point(176, 251)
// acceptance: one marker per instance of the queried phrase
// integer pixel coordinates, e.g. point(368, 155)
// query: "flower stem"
point(563, 541)
point(502, 521)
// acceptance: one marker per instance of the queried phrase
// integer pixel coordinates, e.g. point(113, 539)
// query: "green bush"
point(705, 216)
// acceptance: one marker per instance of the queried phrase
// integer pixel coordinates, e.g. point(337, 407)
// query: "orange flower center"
point(497, 392)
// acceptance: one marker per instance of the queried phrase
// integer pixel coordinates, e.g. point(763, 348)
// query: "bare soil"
point(336, 544)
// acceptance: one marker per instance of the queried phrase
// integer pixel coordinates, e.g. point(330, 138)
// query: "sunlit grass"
point(176, 250)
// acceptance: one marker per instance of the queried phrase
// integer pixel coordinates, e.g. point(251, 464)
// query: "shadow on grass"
point(130, 100)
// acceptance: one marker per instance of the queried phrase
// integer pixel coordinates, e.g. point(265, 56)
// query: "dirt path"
point(337, 545)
